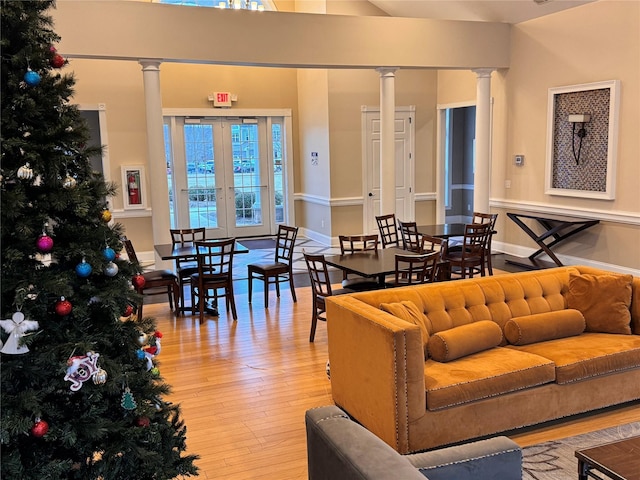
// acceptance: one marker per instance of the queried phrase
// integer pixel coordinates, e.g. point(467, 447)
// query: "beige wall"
point(559, 50)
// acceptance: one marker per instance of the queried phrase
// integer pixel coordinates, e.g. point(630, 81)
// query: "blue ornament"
point(109, 254)
point(83, 269)
point(140, 354)
point(111, 270)
point(32, 78)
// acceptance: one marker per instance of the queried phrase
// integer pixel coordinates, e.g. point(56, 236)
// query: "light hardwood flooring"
point(244, 386)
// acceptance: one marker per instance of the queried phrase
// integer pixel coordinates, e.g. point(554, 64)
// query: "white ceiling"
point(505, 11)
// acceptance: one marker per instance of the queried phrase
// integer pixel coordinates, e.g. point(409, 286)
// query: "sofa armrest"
point(497, 458)
point(377, 368)
point(340, 449)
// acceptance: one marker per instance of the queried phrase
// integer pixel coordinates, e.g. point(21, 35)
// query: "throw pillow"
point(604, 300)
point(464, 340)
point(544, 326)
point(409, 311)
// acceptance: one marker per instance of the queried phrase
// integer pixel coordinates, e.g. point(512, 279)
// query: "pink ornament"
point(44, 243)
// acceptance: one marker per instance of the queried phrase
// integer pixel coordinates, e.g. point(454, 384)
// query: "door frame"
point(368, 214)
point(287, 143)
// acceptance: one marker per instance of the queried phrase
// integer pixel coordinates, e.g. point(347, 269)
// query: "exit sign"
point(221, 99)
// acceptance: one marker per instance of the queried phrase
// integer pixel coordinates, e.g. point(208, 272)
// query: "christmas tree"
point(82, 395)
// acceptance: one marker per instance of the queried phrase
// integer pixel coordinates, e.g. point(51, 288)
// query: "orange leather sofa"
point(470, 358)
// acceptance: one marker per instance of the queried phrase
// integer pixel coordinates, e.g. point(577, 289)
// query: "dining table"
point(167, 251)
point(442, 230)
point(373, 263)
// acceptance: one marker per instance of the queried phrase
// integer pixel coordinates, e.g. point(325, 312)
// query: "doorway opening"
point(459, 163)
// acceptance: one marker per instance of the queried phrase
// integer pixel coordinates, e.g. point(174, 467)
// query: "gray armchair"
point(341, 449)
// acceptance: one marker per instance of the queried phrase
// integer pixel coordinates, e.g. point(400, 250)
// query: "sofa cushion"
point(482, 375)
point(464, 340)
point(604, 300)
point(587, 355)
point(408, 311)
point(544, 326)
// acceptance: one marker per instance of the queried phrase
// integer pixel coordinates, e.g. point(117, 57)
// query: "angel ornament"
point(16, 328)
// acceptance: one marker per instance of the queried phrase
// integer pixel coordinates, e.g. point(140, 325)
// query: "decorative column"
point(156, 161)
point(482, 175)
point(387, 140)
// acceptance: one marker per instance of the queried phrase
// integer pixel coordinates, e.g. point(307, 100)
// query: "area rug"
point(555, 460)
point(258, 243)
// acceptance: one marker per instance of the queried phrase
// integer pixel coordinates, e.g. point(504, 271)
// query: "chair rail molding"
point(614, 216)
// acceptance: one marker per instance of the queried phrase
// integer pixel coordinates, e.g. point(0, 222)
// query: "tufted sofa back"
point(498, 298)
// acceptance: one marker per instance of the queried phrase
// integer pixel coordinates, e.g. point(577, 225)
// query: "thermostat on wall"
point(519, 160)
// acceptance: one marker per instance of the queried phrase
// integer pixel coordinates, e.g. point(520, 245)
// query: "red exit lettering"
point(222, 97)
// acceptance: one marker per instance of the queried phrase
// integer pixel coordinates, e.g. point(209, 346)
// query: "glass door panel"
point(226, 174)
point(250, 215)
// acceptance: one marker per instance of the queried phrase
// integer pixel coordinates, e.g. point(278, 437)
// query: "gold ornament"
point(106, 216)
point(25, 172)
point(100, 377)
point(69, 182)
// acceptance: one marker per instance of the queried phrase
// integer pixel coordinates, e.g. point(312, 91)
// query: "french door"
point(226, 174)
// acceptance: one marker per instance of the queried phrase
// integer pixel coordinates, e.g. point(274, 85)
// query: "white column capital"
point(149, 65)
point(483, 72)
point(387, 71)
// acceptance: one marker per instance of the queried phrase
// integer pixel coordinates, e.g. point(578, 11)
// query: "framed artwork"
point(134, 190)
point(582, 138)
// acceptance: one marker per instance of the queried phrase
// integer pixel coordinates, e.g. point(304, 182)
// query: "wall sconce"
point(580, 133)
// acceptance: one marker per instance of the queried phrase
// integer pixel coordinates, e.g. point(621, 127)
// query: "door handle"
point(370, 194)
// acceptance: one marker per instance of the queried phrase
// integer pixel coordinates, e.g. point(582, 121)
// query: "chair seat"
point(272, 268)
point(159, 275)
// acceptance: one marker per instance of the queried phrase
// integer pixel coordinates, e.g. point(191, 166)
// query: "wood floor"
point(244, 386)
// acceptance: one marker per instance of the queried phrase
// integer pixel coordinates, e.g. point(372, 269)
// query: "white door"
point(404, 145)
point(226, 174)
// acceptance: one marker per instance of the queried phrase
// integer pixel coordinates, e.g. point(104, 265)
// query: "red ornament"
point(63, 307)
point(40, 428)
point(128, 311)
point(143, 422)
point(57, 61)
point(44, 243)
point(138, 281)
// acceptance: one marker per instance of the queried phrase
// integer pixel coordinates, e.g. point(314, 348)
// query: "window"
point(236, 4)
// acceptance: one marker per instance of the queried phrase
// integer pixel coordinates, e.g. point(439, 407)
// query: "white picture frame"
point(591, 173)
point(134, 191)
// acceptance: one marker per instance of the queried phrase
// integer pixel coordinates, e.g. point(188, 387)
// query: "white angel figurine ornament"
point(16, 328)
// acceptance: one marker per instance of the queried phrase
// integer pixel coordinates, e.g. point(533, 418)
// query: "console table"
point(555, 230)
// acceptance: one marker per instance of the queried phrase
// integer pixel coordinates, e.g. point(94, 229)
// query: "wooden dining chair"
point(388, 230)
point(186, 266)
point(437, 244)
point(491, 219)
point(411, 239)
point(415, 269)
point(278, 271)
point(479, 217)
point(353, 244)
point(470, 257)
point(156, 282)
point(320, 289)
point(215, 274)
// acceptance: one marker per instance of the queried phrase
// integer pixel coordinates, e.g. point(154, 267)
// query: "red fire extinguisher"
point(134, 189)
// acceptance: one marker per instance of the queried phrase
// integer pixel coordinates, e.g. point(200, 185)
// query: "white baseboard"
point(523, 252)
